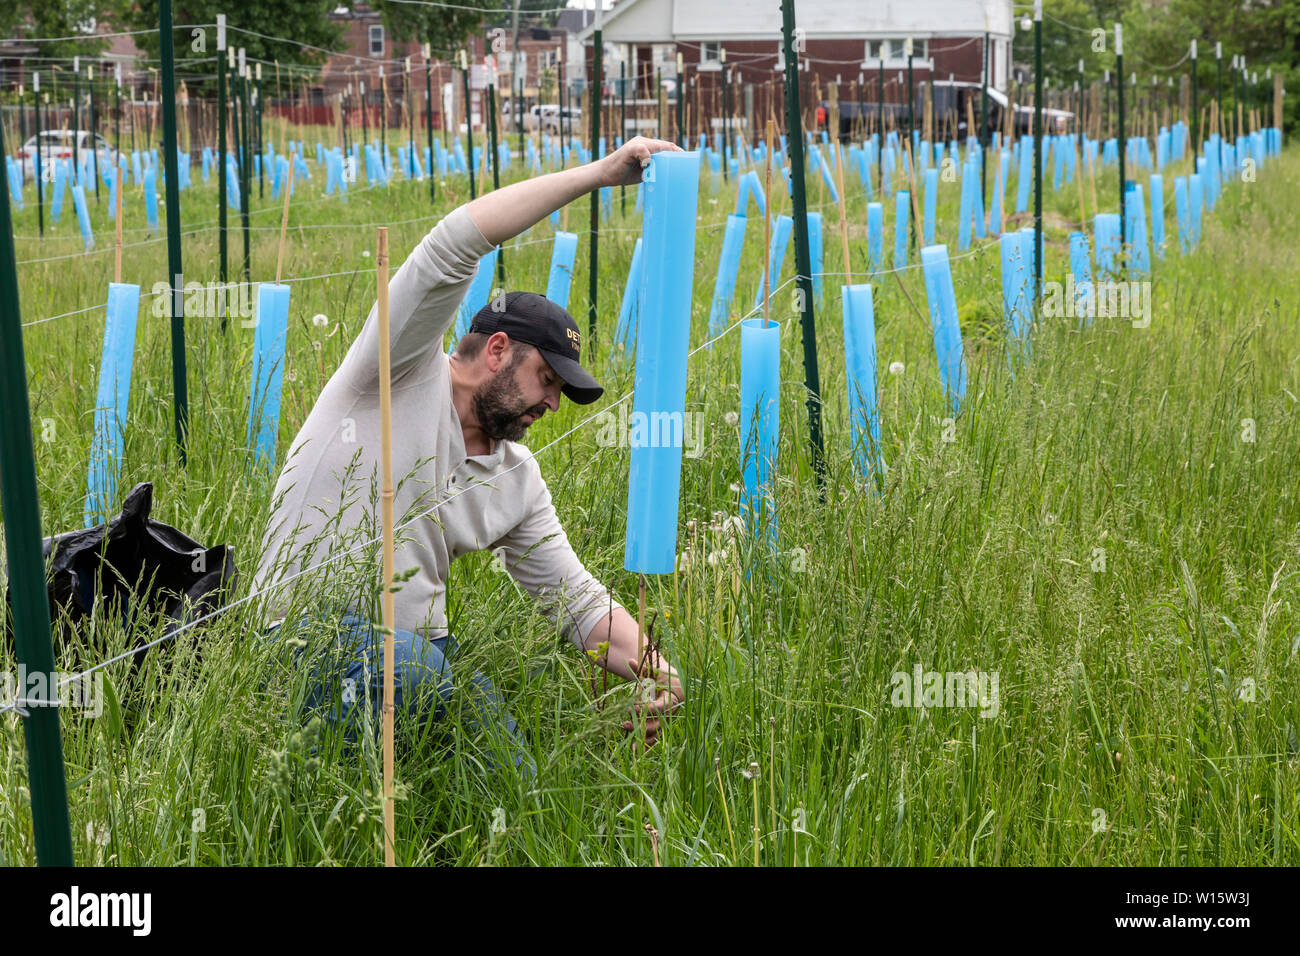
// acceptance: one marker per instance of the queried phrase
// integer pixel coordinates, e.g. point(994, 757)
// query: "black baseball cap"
point(536, 320)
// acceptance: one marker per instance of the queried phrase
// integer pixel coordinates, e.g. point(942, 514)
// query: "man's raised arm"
point(504, 213)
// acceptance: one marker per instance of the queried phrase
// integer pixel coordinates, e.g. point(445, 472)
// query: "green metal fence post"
point(1196, 129)
point(595, 101)
point(28, 597)
point(803, 260)
point(469, 124)
point(496, 172)
point(175, 280)
point(428, 120)
point(1119, 106)
point(221, 151)
point(1038, 150)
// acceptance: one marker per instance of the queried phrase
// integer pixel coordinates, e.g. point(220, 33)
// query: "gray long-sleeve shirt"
point(326, 498)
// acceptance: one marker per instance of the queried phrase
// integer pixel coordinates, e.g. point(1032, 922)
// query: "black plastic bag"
point(140, 567)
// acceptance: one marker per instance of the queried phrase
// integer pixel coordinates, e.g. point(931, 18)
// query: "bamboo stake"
point(844, 220)
point(1078, 179)
point(771, 766)
point(821, 180)
point(699, 113)
point(284, 117)
point(1000, 190)
point(1092, 181)
point(117, 243)
point(284, 220)
point(640, 628)
point(388, 598)
point(1008, 124)
point(911, 188)
point(767, 226)
point(185, 114)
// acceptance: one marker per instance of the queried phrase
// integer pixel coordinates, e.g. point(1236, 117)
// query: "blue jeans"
point(350, 673)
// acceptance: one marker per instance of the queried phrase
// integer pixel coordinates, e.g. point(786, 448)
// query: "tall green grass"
point(1096, 531)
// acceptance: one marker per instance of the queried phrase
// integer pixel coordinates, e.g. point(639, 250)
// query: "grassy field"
point(1111, 529)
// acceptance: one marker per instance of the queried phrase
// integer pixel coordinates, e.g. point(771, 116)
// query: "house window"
point(709, 51)
point(377, 41)
point(893, 50)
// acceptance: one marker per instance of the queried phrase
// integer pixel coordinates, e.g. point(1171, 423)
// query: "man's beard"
point(499, 405)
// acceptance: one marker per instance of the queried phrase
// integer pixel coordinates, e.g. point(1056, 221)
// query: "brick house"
point(367, 47)
point(846, 43)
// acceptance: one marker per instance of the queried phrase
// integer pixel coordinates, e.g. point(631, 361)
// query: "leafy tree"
point(66, 18)
point(443, 28)
point(305, 23)
point(1157, 37)
point(534, 13)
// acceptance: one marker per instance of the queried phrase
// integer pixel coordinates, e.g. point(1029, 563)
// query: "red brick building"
point(367, 48)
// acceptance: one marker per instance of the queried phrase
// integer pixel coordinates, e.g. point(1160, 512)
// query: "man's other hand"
point(625, 166)
point(664, 703)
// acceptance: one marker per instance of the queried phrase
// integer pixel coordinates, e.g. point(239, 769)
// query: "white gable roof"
point(666, 21)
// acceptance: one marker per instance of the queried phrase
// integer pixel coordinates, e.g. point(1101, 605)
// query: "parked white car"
point(56, 144)
point(547, 118)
